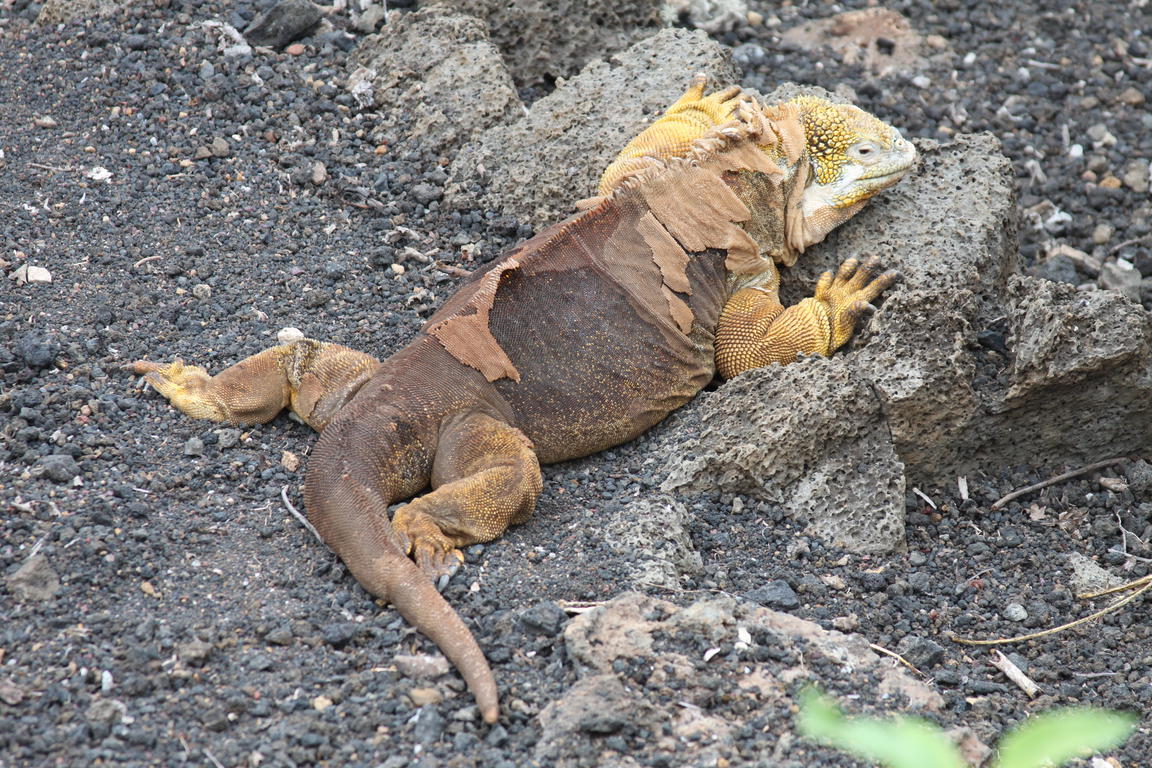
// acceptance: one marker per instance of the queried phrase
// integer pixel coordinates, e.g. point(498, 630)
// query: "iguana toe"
point(437, 563)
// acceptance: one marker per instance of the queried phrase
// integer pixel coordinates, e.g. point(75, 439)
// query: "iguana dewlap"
point(574, 341)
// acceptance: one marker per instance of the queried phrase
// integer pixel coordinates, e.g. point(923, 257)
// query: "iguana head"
point(851, 156)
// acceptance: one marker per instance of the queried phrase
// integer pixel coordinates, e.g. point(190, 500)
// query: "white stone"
point(289, 335)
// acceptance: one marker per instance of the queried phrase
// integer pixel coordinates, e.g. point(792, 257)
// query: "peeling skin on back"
point(663, 212)
point(681, 313)
point(467, 337)
point(666, 252)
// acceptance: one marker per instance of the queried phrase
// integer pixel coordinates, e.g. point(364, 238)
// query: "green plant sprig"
point(1043, 741)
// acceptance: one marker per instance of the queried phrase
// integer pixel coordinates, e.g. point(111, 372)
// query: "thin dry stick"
point(893, 654)
point(577, 607)
point(145, 260)
point(1140, 582)
point(1053, 480)
point(1126, 243)
point(43, 167)
point(1015, 674)
point(1054, 630)
point(296, 514)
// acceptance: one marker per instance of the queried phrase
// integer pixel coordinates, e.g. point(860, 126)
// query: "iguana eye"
point(865, 151)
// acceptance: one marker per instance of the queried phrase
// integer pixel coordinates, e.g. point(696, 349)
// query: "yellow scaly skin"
point(672, 135)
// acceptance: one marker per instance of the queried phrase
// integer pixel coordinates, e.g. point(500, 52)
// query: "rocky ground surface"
point(190, 193)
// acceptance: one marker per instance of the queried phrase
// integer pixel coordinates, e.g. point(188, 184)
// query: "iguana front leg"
point(689, 118)
point(313, 378)
point(755, 329)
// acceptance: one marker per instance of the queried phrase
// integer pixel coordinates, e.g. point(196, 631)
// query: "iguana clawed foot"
point(185, 386)
point(850, 292)
point(419, 536)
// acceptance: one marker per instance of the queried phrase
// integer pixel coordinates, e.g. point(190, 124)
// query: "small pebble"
point(774, 594)
point(849, 623)
point(422, 697)
point(1132, 96)
point(59, 468)
point(1102, 233)
point(421, 667)
point(544, 618)
point(1015, 612)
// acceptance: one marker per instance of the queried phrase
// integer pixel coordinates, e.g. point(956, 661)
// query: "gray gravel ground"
point(194, 622)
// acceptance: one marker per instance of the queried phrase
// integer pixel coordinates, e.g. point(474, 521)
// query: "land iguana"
point(576, 340)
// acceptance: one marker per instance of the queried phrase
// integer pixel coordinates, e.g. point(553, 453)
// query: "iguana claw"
point(850, 292)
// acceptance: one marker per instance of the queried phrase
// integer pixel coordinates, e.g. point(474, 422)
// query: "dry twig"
point(898, 657)
point(296, 514)
point(1015, 674)
point(1054, 480)
point(1141, 586)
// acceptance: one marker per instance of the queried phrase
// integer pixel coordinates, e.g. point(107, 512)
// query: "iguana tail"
point(353, 520)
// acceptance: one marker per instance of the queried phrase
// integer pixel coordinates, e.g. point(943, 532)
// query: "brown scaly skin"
point(576, 340)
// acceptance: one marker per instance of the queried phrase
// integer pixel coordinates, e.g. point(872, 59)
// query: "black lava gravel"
point(190, 204)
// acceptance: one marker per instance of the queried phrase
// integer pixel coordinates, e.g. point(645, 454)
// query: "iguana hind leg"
point(485, 477)
point(313, 378)
point(755, 329)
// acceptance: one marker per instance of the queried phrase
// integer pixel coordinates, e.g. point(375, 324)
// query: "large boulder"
point(536, 167)
point(435, 78)
point(543, 40)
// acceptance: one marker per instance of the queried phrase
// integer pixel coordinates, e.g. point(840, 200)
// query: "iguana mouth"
point(891, 177)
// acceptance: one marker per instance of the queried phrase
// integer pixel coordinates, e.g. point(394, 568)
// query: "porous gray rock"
point(34, 580)
point(544, 40)
point(537, 167)
point(798, 436)
point(58, 467)
point(915, 353)
point(635, 631)
point(650, 535)
point(63, 11)
point(1080, 358)
point(436, 79)
point(284, 22)
point(596, 706)
point(880, 40)
point(1087, 576)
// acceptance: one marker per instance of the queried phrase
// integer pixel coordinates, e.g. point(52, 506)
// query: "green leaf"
point(898, 743)
point(1056, 737)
